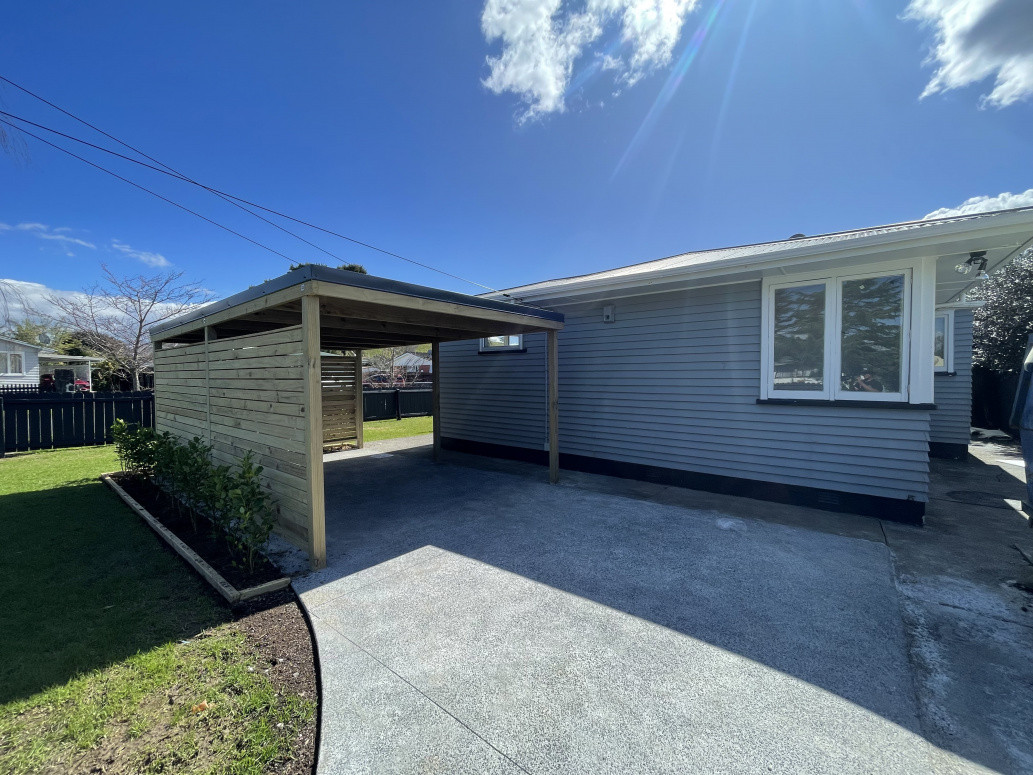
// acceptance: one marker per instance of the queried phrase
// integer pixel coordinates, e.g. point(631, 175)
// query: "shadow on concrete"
point(817, 606)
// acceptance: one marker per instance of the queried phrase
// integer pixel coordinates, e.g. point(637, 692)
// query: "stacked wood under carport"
point(246, 373)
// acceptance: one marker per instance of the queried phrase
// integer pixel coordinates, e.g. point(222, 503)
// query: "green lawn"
point(93, 612)
point(378, 430)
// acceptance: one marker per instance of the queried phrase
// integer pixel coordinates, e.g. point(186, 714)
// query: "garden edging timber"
point(212, 576)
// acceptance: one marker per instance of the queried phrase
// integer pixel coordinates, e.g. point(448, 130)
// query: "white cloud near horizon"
point(61, 235)
point(976, 40)
point(543, 39)
point(985, 204)
point(42, 231)
point(154, 260)
point(29, 300)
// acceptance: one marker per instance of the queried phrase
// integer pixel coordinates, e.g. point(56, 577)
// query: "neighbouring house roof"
point(1006, 232)
point(19, 342)
point(50, 355)
point(412, 359)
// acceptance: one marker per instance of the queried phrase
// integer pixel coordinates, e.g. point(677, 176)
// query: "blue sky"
point(739, 121)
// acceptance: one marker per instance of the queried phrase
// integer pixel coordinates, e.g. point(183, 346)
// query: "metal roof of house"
point(755, 253)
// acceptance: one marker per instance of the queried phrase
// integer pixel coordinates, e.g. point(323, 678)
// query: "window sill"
point(945, 373)
point(501, 351)
point(850, 404)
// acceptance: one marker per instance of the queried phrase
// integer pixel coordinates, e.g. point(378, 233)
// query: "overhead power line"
point(164, 170)
point(149, 191)
point(232, 199)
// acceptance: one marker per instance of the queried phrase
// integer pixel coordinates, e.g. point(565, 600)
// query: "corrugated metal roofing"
point(708, 258)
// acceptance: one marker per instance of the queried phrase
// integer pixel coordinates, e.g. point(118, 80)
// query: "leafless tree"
point(10, 299)
point(384, 361)
point(113, 316)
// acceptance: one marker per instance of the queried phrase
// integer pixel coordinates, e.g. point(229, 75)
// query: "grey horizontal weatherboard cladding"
point(674, 382)
point(951, 423)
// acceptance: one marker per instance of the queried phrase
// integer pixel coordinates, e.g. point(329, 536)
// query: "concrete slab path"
point(475, 621)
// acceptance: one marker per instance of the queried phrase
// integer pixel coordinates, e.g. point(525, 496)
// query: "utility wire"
point(164, 170)
point(239, 201)
point(149, 191)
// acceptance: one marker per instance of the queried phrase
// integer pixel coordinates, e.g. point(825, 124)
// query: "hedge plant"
point(230, 498)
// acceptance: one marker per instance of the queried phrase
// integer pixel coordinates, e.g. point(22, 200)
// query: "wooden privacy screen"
point(239, 394)
point(342, 385)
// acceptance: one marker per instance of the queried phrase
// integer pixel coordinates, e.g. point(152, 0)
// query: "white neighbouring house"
point(19, 363)
point(24, 365)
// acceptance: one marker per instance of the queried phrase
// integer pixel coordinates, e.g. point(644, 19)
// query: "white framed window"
point(12, 363)
point(844, 337)
point(501, 344)
point(943, 342)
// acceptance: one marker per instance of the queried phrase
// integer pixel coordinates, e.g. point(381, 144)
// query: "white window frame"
point(21, 360)
point(948, 341)
point(768, 359)
point(914, 303)
point(509, 348)
point(5, 363)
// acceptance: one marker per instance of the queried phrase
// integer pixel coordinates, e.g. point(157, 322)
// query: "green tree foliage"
point(1002, 327)
point(799, 337)
point(873, 310)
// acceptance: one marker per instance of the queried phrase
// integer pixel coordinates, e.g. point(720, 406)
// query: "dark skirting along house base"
point(896, 510)
point(948, 451)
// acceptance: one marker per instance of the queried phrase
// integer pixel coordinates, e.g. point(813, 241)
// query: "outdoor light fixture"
point(976, 257)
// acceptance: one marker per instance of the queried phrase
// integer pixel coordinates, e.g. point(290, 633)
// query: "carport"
point(246, 373)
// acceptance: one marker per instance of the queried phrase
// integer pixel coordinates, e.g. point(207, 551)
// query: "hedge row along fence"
point(230, 499)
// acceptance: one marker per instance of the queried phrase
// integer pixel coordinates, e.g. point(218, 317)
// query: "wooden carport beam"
point(435, 397)
point(554, 406)
point(314, 431)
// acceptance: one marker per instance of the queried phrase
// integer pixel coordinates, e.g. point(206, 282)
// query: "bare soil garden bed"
point(203, 539)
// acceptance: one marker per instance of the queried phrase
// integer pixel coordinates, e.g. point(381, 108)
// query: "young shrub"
point(165, 463)
point(250, 511)
point(123, 435)
point(134, 446)
point(215, 499)
point(192, 468)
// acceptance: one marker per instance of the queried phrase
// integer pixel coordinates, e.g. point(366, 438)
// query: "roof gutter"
point(1013, 221)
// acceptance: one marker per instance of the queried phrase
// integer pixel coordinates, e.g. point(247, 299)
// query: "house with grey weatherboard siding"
point(818, 370)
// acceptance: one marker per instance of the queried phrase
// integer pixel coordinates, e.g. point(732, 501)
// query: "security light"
point(975, 257)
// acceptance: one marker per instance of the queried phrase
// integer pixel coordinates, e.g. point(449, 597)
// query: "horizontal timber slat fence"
point(51, 421)
point(396, 403)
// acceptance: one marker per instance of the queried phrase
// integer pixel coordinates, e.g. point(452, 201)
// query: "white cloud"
point(58, 235)
point(985, 204)
point(65, 239)
point(154, 260)
point(977, 39)
point(542, 40)
point(31, 300)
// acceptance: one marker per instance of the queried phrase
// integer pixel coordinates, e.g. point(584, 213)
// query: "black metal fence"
point(52, 420)
point(396, 404)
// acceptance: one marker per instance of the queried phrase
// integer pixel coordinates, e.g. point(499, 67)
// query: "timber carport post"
point(245, 372)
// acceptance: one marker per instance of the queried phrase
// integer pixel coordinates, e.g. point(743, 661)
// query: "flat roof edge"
point(315, 272)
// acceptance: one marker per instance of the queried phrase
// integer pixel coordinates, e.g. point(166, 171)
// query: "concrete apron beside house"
point(472, 619)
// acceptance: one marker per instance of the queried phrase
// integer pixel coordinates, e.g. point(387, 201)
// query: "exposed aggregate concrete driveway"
point(478, 621)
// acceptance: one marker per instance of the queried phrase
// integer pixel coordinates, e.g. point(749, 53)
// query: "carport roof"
point(359, 311)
